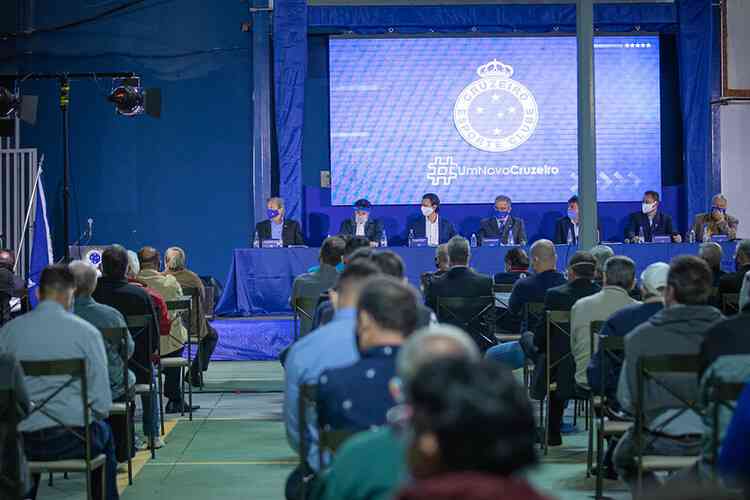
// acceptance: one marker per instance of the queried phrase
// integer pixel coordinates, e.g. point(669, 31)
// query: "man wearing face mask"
point(717, 220)
point(651, 220)
point(436, 229)
point(277, 226)
point(567, 227)
point(502, 225)
point(362, 225)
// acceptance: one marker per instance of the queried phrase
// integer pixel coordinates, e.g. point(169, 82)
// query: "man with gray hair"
point(712, 253)
point(732, 282)
point(277, 226)
point(715, 222)
point(601, 254)
point(502, 225)
point(384, 448)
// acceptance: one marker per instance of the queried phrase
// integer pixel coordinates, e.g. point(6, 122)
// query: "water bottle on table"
point(706, 235)
point(569, 239)
point(511, 239)
point(641, 235)
point(473, 240)
point(256, 240)
point(384, 240)
point(411, 237)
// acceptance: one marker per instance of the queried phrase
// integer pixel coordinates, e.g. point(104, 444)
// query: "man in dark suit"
point(361, 224)
point(502, 225)
point(653, 221)
point(732, 282)
point(567, 227)
point(277, 227)
point(436, 229)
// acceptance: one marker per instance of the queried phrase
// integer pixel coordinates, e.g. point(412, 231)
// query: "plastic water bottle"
point(411, 237)
point(384, 240)
point(570, 237)
point(706, 236)
point(256, 240)
point(641, 236)
point(473, 240)
point(511, 239)
point(691, 236)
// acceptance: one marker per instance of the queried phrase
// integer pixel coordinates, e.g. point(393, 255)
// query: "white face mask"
point(360, 219)
point(427, 211)
point(647, 207)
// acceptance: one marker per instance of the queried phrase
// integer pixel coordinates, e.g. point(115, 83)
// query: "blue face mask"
point(572, 214)
point(501, 214)
point(272, 213)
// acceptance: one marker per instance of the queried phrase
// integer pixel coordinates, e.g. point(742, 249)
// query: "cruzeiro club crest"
point(495, 113)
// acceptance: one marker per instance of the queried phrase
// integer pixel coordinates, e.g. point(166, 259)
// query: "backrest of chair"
point(73, 368)
point(730, 303)
point(140, 325)
point(502, 287)
point(534, 316)
point(196, 308)
point(118, 337)
point(304, 309)
point(208, 302)
point(308, 396)
point(10, 457)
point(475, 315)
point(668, 382)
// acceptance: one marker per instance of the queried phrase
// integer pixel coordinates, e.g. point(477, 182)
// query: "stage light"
point(9, 102)
point(130, 99)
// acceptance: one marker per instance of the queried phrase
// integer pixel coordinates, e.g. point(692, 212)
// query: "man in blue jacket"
point(431, 225)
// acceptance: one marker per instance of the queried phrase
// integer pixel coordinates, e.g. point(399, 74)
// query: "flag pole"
point(28, 211)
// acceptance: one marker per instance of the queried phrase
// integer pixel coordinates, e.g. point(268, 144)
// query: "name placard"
point(662, 239)
point(418, 242)
point(490, 242)
point(718, 238)
point(272, 244)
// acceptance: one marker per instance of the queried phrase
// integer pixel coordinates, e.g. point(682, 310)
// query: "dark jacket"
point(728, 336)
point(662, 225)
point(562, 226)
point(673, 330)
point(732, 282)
point(470, 485)
point(132, 300)
point(533, 288)
point(458, 282)
point(490, 228)
point(619, 324)
point(373, 229)
point(446, 230)
point(291, 233)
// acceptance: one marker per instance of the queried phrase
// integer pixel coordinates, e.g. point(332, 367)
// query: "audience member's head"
point(742, 254)
point(711, 252)
point(619, 271)
point(149, 258)
point(175, 259)
point(386, 312)
point(345, 293)
point(57, 284)
point(85, 278)
point(390, 263)
point(441, 257)
point(114, 262)
point(516, 260)
point(332, 250)
point(134, 267)
point(469, 417)
point(601, 253)
point(7, 259)
point(353, 244)
point(543, 256)
point(689, 281)
point(582, 265)
point(458, 251)
point(654, 280)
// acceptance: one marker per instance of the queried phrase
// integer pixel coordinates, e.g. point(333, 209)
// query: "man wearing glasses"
point(717, 221)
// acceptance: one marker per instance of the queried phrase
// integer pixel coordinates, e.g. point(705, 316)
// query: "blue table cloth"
point(260, 280)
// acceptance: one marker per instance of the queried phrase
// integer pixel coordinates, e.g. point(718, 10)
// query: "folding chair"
point(475, 315)
point(501, 292)
point(10, 475)
point(533, 314)
point(721, 394)
point(197, 315)
point(595, 327)
point(76, 370)
point(558, 322)
point(141, 325)
point(654, 369)
point(182, 307)
point(308, 397)
point(118, 337)
point(304, 309)
point(730, 303)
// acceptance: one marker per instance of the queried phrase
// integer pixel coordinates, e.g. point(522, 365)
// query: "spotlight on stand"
point(130, 99)
point(9, 102)
point(12, 106)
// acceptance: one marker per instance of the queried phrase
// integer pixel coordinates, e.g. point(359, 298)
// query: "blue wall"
point(181, 180)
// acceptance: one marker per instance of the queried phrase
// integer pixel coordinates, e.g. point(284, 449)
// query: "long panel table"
point(260, 280)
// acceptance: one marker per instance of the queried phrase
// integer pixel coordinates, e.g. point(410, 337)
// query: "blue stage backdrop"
point(472, 117)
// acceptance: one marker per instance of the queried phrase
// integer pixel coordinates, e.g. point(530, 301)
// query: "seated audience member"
point(384, 448)
point(172, 345)
point(10, 285)
point(333, 345)
point(712, 253)
point(601, 254)
point(175, 263)
point(516, 267)
point(431, 225)
point(567, 227)
point(104, 316)
point(732, 282)
point(441, 267)
point(50, 332)
point(734, 456)
point(160, 305)
point(651, 220)
point(15, 481)
point(114, 290)
point(679, 328)
point(653, 282)
point(619, 278)
point(717, 221)
point(362, 224)
point(312, 284)
point(473, 432)
point(277, 226)
point(391, 264)
point(356, 397)
point(728, 336)
point(502, 225)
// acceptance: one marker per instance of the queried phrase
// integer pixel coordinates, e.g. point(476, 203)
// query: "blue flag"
point(41, 246)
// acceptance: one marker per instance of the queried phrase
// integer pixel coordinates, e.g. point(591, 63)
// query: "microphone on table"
point(90, 230)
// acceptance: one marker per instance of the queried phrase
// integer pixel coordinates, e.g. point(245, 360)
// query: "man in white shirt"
point(49, 332)
point(435, 229)
point(362, 224)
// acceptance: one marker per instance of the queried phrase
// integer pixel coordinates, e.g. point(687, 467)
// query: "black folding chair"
point(656, 370)
point(141, 325)
point(308, 397)
point(475, 315)
point(182, 308)
point(10, 474)
point(75, 369)
point(533, 316)
point(502, 310)
point(730, 303)
point(558, 323)
point(304, 309)
point(721, 394)
point(595, 328)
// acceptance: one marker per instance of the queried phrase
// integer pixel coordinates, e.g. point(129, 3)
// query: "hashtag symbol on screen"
point(441, 170)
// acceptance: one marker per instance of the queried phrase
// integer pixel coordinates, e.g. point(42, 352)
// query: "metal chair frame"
point(555, 321)
point(730, 303)
point(142, 324)
point(533, 311)
point(721, 394)
point(182, 306)
point(447, 312)
point(308, 397)
point(304, 307)
point(11, 476)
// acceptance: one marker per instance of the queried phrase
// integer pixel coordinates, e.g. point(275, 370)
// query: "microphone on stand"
point(90, 229)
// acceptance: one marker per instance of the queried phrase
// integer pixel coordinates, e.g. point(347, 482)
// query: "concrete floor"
point(235, 448)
